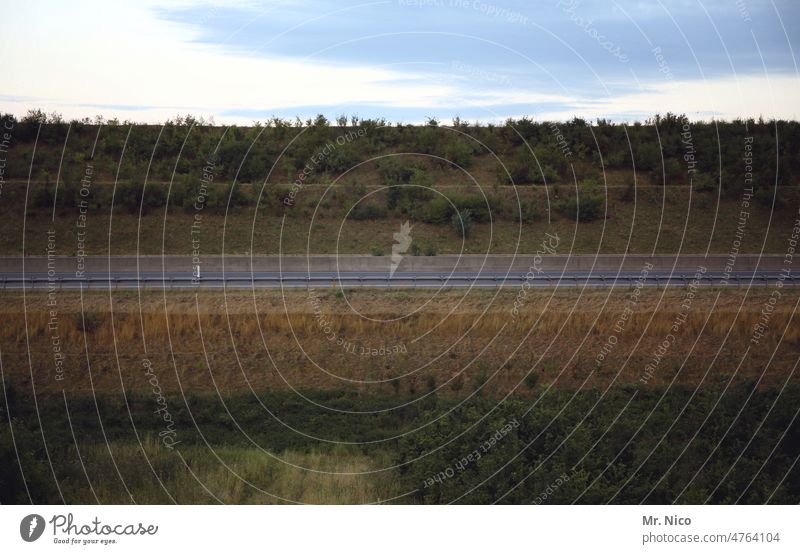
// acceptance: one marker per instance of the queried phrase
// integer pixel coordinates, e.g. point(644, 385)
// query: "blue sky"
point(402, 59)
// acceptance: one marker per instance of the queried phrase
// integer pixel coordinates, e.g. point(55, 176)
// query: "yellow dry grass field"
point(398, 342)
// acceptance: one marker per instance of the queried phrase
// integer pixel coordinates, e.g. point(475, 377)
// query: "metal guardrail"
point(387, 280)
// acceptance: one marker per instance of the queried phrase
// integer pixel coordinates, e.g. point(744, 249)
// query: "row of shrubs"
point(531, 151)
point(416, 203)
point(132, 197)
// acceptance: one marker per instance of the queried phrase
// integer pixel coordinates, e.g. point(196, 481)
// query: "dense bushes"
point(598, 459)
point(585, 207)
point(412, 202)
point(575, 440)
point(395, 170)
point(368, 210)
point(438, 210)
point(533, 152)
point(413, 164)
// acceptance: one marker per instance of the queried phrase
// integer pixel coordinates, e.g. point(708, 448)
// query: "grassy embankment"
point(661, 220)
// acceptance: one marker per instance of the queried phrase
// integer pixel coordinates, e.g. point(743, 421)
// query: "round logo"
point(31, 527)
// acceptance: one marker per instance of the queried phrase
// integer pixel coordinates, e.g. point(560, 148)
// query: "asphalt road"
point(178, 272)
point(177, 280)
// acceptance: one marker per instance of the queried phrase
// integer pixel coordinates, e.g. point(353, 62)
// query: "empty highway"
point(242, 272)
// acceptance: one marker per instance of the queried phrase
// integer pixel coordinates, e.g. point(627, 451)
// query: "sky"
point(403, 60)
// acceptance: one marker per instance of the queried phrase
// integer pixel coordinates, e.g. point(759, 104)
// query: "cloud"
point(773, 96)
point(130, 61)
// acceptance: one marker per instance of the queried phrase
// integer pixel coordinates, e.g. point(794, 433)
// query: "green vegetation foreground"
point(736, 444)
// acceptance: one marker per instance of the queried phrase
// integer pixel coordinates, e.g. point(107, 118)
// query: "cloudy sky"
point(401, 59)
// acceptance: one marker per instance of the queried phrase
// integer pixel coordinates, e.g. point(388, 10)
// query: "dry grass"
point(230, 475)
point(461, 339)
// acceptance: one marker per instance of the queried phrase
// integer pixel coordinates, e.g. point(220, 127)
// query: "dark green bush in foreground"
point(571, 447)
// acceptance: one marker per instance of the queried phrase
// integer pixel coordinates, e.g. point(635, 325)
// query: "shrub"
point(614, 159)
point(437, 210)
point(703, 183)
point(395, 171)
point(155, 196)
point(87, 321)
point(673, 171)
point(629, 192)
point(546, 175)
point(42, 198)
point(462, 223)
point(476, 205)
point(520, 169)
point(591, 182)
point(127, 197)
point(531, 379)
point(368, 210)
point(589, 208)
point(458, 152)
point(356, 188)
point(273, 197)
point(340, 160)
point(409, 200)
point(647, 156)
point(430, 383)
point(529, 211)
point(421, 178)
point(235, 196)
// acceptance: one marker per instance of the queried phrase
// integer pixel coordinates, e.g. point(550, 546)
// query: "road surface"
point(156, 272)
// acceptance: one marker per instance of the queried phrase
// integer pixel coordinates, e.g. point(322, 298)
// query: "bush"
point(155, 196)
point(395, 171)
point(421, 178)
point(87, 321)
point(127, 197)
point(589, 208)
point(430, 383)
point(529, 211)
point(476, 205)
point(673, 171)
point(42, 198)
point(531, 379)
point(235, 196)
point(273, 196)
point(409, 200)
point(368, 210)
point(614, 159)
point(458, 152)
point(546, 175)
point(629, 192)
point(462, 223)
point(340, 160)
point(703, 183)
point(437, 210)
point(520, 169)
